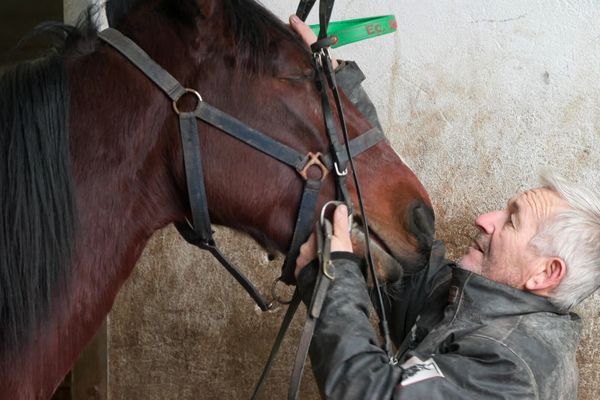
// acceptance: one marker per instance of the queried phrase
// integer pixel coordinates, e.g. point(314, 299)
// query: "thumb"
point(341, 234)
point(340, 221)
point(303, 30)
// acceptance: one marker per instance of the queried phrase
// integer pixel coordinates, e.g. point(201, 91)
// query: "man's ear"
point(548, 276)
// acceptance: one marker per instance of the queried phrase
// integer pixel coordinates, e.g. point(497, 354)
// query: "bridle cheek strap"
point(304, 226)
point(194, 173)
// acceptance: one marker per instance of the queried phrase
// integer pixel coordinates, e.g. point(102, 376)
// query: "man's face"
point(501, 250)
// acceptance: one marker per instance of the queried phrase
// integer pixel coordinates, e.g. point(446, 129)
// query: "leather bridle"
point(198, 230)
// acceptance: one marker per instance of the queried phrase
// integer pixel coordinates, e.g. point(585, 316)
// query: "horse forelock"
point(257, 33)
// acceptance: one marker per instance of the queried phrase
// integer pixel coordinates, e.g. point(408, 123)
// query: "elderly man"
point(494, 325)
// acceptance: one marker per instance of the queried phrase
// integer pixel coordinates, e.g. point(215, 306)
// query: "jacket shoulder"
point(545, 343)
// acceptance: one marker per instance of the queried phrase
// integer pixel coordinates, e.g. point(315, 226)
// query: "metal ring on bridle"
point(187, 91)
point(326, 206)
point(277, 298)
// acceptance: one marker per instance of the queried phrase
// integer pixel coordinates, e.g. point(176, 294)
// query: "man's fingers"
point(307, 35)
point(341, 230)
point(340, 221)
point(303, 30)
point(308, 252)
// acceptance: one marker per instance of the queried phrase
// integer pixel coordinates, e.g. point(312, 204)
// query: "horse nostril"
point(422, 225)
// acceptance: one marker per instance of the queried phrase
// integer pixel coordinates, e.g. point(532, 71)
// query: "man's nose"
point(489, 222)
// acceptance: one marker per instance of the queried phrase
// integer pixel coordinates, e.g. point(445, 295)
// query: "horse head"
point(245, 62)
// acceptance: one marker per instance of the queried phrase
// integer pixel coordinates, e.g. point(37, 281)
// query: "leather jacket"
point(461, 336)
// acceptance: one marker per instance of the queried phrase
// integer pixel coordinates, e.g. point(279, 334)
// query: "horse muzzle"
point(393, 260)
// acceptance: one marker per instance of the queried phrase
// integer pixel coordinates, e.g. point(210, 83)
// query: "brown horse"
point(91, 166)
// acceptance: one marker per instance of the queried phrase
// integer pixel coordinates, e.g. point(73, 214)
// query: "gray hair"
point(574, 236)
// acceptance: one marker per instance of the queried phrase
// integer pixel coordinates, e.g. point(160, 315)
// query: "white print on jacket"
point(415, 370)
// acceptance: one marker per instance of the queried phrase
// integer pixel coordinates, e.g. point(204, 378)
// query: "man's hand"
point(340, 241)
point(307, 35)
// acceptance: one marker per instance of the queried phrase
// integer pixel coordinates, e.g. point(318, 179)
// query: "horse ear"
point(207, 7)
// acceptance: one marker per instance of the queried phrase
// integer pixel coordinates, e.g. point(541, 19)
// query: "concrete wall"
point(475, 95)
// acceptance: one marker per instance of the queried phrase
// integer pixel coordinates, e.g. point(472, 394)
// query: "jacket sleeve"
point(347, 361)
point(349, 364)
point(349, 77)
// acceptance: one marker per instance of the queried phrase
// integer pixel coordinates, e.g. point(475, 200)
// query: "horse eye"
point(305, 75)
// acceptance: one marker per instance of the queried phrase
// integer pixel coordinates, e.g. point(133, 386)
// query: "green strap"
point(354, 30)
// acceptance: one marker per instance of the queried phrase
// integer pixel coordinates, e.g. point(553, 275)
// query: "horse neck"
point(124, 192)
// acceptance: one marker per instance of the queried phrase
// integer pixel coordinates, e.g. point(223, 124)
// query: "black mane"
point(37, 215)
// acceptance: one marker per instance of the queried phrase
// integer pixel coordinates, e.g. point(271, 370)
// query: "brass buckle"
point(314, 159)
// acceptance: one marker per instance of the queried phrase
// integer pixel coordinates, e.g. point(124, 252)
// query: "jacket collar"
point(471, 292)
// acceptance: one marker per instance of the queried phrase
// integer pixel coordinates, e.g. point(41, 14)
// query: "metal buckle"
point(314, 159)
point(188, 91)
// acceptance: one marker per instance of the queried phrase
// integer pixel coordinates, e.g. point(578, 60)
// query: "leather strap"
point(341, 166)
point(322, 63)
point(358, 145)
point(191, 236)
point(304, 8)
point(142, 60)
point(325, 10)
point(199, 233)
point(305, 340)
point(194, 174)
point(250, 136)
point(304, 226)
point(287, 320)
point(324, 278)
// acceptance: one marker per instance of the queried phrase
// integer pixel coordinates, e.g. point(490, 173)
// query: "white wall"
point(73, 8)
point(479, 94)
